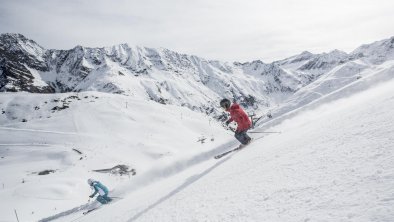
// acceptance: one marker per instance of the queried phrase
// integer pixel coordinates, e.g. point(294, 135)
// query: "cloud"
point(231, 30)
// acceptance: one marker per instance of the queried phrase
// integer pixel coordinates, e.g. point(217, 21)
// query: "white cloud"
point(230, 30)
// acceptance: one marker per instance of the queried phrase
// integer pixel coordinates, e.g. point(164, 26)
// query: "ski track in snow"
point(36, 131)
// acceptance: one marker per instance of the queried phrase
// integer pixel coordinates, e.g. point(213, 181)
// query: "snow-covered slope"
point(66, 136)
point(332, 162)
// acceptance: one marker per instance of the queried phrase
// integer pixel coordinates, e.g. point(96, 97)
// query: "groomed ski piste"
point(332, 161)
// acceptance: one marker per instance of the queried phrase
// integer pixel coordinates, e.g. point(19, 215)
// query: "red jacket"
point(238, 115)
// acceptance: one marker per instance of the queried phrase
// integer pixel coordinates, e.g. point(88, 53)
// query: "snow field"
point(332, 163)
point(107, 129)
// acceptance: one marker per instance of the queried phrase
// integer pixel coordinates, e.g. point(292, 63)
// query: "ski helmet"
point(225, 103)
point(90, 182)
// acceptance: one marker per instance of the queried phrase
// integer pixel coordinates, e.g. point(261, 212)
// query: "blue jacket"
point(99, 188)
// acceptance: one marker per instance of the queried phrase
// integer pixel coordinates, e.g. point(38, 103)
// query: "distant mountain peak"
point(18, 43)
point(337, 51)
point(16, 38)
point(305, 53)
point(303, 56)
point(376, 52)
point(13, 36)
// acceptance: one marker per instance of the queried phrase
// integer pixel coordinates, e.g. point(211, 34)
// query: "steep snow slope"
point(331, 163)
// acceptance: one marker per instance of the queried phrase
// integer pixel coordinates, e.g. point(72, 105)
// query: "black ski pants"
point(242, 137)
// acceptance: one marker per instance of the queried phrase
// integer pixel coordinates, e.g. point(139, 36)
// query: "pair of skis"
point(93, 209)
point(241, 146)
point(231, 151)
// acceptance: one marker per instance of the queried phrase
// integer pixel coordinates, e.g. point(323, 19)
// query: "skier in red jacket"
point(238, 115)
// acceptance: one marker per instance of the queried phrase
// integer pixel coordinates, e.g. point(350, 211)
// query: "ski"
point(236, 149)
point(90, 210)
point(227, 152)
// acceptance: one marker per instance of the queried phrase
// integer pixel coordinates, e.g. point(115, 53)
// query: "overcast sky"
point(228, 30)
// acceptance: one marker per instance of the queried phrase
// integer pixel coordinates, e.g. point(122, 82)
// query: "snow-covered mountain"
point(21, 60)
point(157, 74)
point(377, 52)
point(169, 77)
point(368, 63)
point(161, 75)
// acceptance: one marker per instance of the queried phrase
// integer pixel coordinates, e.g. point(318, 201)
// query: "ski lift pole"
point(17, 219)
